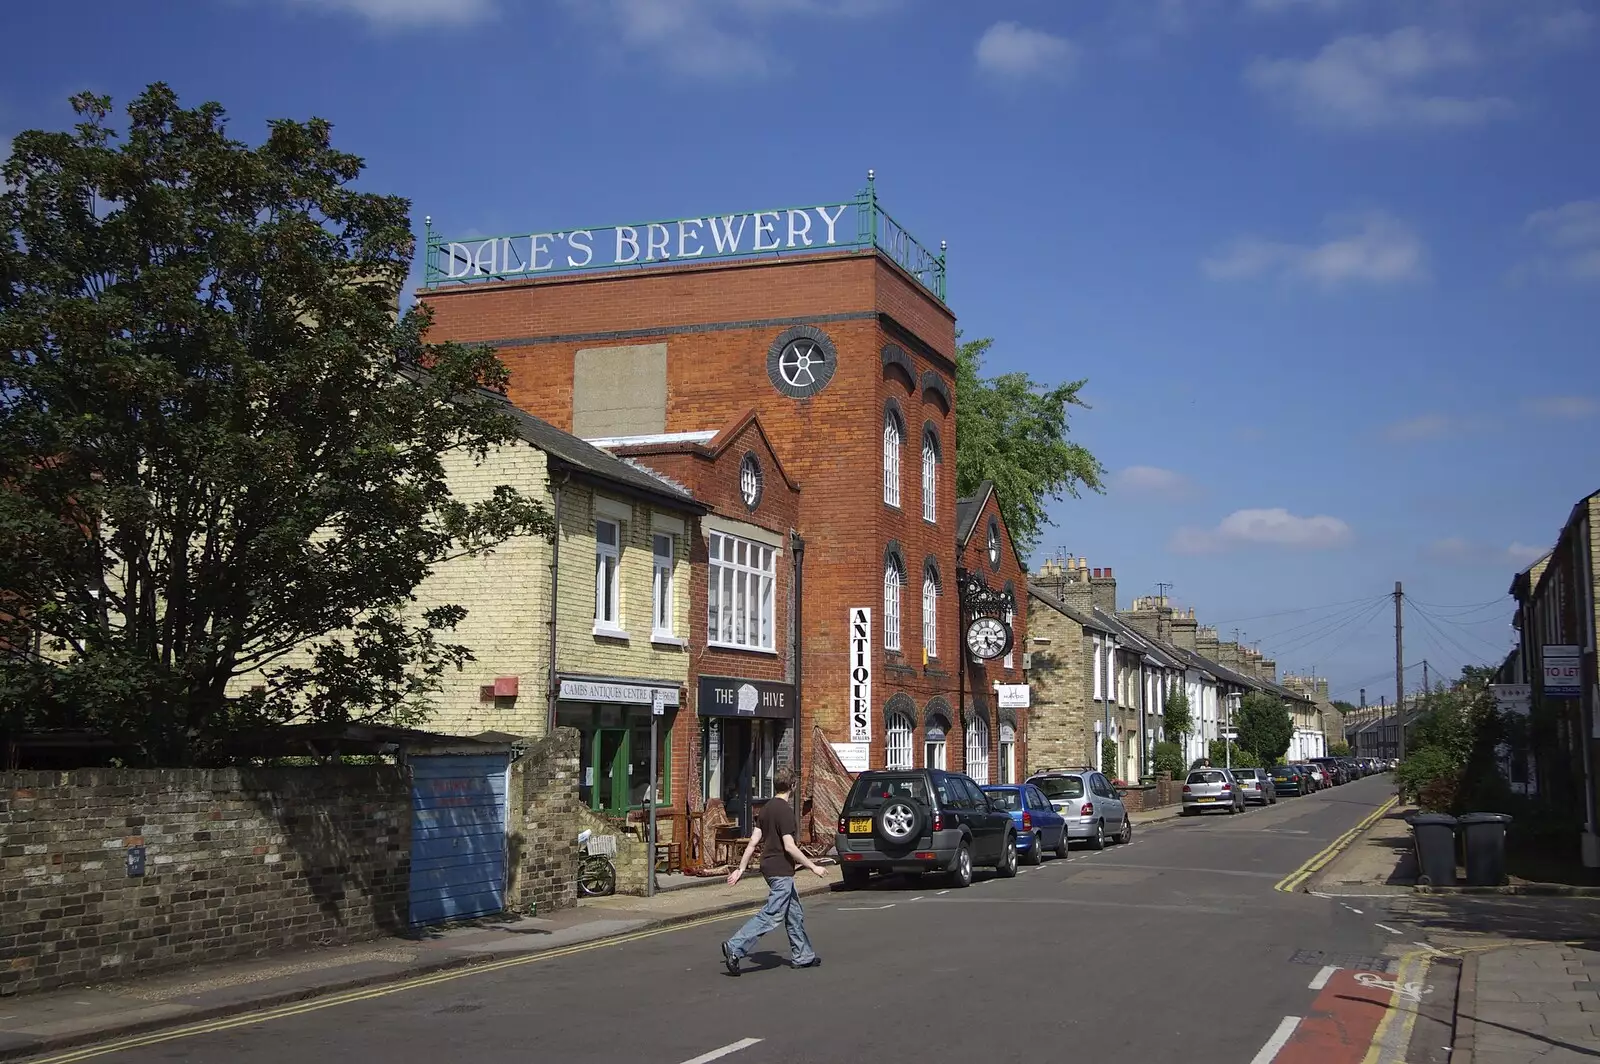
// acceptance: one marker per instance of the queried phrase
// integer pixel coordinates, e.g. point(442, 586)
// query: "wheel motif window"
point(801, 361)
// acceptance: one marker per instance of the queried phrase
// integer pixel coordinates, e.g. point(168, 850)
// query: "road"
point(1175, 947)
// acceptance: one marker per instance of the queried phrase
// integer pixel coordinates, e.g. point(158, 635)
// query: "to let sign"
point(860, 675)
point(1563, 672)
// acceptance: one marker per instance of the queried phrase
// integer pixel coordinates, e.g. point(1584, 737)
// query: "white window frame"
point(663, 597)
point(977, 743)
point(1009, 660)
point(608, 624)
point(936, 753)
point(930, 476)
point(754, 584)
point(1008, 754)
point(893, 441)
point(897, 743)
point(1099, 679)
point(930, 612)
point(894, 581)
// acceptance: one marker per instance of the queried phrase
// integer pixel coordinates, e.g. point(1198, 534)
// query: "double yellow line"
point(1292, 882)
point(349, 997)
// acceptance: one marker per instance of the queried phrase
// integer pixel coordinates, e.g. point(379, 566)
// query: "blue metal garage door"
point(458, 837)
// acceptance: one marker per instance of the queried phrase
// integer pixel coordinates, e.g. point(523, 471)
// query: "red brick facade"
point(894, 344)
point(1001, 570)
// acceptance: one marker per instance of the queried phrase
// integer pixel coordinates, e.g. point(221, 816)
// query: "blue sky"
point(1331, 267)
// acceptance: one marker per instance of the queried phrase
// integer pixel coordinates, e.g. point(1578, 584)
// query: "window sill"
point(714, 645)
point(606, 632)
point(667, 639)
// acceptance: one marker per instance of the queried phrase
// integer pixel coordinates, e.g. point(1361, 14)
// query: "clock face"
point(988, 638)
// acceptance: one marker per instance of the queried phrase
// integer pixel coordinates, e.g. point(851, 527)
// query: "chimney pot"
point(1108, 574)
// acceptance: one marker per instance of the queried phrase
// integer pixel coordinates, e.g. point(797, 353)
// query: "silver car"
point(1091, 806)
point(1208, 789)
point(1257, 785)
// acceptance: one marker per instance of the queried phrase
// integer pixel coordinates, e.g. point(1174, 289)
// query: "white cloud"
point(1374, 247)
point(1563, 407)
point(1274, 527)
point(1422, 427)
point(1012, 50)
point(1151, 480)
point(1367, 82)
point(1568, 239)
point(712, 39)
point(409, 14)
point(1567, 28)
point(1458, 550)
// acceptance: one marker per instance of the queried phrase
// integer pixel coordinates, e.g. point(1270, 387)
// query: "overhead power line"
point(1285, 613)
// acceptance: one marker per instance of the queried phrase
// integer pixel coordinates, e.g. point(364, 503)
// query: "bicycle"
point(597, 876)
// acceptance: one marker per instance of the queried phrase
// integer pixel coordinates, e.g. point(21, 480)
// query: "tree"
point(219, 463)
point(1013, 431)
point(1168, 757)
point(1338, 749)
point(1108, 757)
point(1344, 707)
point(1175, 715)
point(1217, 751)
point(1265, 727)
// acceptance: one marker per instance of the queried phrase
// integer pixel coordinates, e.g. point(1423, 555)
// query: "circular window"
point(994, 545)
point(750, 481)
point(801, 361)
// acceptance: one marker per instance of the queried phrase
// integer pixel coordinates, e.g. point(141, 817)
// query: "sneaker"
point(814, 962)
point(729, 961)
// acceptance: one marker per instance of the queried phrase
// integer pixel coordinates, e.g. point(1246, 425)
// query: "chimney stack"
point(1183, 629)
point(1104, 591)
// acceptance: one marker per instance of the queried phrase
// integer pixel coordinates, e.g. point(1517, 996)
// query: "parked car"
point(1040, 828)
point(1291, 780)
point(1319, 776)
point(922, 820)
point(1332, 766)
point(1207, 789)
point(1091, 805)
point(1257, 785)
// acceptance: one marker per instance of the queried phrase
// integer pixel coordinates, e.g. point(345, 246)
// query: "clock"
point(988, 638)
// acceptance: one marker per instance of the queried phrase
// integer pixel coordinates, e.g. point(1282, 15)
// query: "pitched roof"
point(1138, 640)
point(708, 443)
point(1067, 611)
point(968, 509)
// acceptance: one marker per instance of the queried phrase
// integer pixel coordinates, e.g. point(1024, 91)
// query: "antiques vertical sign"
point(860, 675)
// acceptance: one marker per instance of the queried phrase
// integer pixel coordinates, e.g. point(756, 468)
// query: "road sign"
point(1513, 698)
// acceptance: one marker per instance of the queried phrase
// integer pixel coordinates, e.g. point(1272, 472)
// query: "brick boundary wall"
point(237, 862)
point(542, 843)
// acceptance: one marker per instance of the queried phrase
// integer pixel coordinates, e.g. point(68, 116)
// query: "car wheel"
point(1063, 848)
point(1127, 830)
point(899, 822)
point(961, 868)
point(1099, 840)
point(854, 878)
point(1233, 808)
point(1008, 859)
point(1036, 849)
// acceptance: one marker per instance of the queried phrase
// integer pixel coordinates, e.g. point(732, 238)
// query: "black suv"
point(922, 820)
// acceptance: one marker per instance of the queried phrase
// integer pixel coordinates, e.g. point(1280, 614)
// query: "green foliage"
point(1013, 431)
point(1168, 757)
point(1425, 768)
point(1176, 720)
point(1450, 758)
point(1108, 757)
point(215, 469)
point(1338, 749)
point(1241, 758)
point(1344, 707)
point(1265, 727)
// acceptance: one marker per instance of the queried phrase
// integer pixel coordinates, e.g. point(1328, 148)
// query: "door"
point(1113, 811)
point(458, 837)
point(736, 773)
point(611, 769)
point(988, 825)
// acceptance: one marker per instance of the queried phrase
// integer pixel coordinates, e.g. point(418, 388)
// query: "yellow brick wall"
point(578, 649)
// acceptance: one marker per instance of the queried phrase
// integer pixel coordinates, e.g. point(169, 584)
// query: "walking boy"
point(774, 833)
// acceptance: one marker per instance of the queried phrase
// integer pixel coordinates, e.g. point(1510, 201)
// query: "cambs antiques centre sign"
point(854, 224)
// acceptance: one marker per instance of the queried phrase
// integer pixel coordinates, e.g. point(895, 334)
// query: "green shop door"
point(611, 769)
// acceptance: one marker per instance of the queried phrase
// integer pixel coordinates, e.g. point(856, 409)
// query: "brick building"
point(995, 692)
point(843, 349)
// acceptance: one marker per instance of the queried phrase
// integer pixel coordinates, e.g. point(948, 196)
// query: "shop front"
point(613, 722)
point(745, 734)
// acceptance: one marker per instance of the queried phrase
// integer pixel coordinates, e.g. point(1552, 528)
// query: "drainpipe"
point(553, 687)
point(1590, 849)
point(797, 549)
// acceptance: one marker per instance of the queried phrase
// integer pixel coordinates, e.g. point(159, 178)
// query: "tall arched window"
point(1008, 754)
point(930, 611)
point(897, 742)
point(978, 749)
point(930, 475)
point(894, 578)
point(893, 437)
point(933, 745)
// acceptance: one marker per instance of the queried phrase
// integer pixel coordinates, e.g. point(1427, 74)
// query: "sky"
point(1331, 268)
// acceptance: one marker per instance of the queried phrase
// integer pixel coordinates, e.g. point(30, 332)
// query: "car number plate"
point(860, 826)
point(1205, 799)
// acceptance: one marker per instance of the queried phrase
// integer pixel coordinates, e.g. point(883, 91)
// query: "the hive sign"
point(724, 236)
point(860, 675)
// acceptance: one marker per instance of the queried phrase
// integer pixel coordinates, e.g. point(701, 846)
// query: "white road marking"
point(1389, 929)
point(1279, 1039)
point(944, 892)
point(864, 908)
point(1320, 980)
point(718, 1054)
point(1431, 949)
point(919, 897)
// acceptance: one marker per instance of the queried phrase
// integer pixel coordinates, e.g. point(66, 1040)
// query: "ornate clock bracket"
point(978, 599)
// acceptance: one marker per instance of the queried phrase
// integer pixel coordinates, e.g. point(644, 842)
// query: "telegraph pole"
point(1427, 687)
point(1400, 667)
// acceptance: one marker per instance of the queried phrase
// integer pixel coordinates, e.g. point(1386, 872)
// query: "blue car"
point(1039, 827)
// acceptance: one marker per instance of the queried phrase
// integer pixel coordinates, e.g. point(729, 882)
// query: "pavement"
point(1185, 923)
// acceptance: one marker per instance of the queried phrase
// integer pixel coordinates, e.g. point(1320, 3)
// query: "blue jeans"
point(782, 907)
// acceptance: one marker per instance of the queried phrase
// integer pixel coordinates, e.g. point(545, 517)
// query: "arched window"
point(930, 611)
point(930, 475)
point(897, 742)
point(978, 749)
point(933, 747)
point(893, 437)
point(1008, 754)
point(894, 578)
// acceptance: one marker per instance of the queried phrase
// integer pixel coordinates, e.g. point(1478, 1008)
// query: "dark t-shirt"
point(776, 821)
